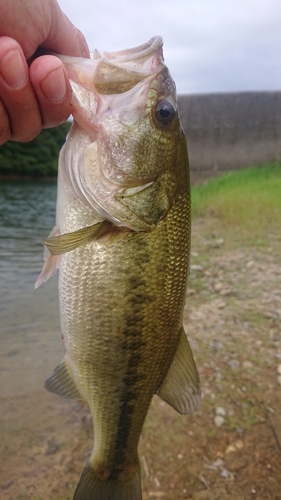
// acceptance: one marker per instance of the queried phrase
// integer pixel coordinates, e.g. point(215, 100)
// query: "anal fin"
point(60, 382)
point(181, 386)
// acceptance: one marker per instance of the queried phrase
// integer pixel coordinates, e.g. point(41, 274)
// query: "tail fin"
point(91, 487)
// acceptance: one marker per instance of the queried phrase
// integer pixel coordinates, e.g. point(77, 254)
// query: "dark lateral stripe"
point(133, 344)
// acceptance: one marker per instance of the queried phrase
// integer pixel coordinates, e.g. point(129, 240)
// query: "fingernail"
point(54, 85)
point(13, 70)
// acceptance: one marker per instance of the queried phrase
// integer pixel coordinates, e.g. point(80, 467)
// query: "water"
point(30, 343)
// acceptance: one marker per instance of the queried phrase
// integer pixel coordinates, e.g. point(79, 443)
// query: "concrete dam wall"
point(230, 131)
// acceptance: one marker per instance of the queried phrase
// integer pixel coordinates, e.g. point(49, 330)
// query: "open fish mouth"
point(141, 51)
point(117, 72)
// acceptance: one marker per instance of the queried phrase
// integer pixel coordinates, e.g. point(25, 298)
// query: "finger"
point(39, 23)
point(17, 94)
point(51, 85)
point(64, 37)
point(5, 132)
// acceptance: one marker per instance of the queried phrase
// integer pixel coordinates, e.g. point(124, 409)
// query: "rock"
point(227, 291)
point(234, 364)
point(250, 263)
point(230, 449)
point(233, 447)
point(279, 379)
point(220, 304)
point(247, 364)
point(218, 287)
point(52, 448)
point(6, 485)
point(218, 420)
point(226, 474)
point(217, 243)
point(279, 369)
point(215, 344)
point(196, 316)
point(195, 267)
point(217, 464)
point(221, 411)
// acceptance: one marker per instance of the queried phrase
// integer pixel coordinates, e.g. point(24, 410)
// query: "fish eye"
point(165, 112)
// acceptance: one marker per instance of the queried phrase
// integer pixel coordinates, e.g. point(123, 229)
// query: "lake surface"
point(30, 342)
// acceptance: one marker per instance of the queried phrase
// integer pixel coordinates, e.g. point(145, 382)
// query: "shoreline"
point(27, 178)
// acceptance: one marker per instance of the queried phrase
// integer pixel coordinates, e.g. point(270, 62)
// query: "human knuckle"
point(26, 134)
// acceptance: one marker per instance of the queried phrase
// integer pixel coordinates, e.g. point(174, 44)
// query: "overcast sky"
point(209, 45)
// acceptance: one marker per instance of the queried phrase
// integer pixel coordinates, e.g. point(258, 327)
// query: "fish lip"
point(141, 51)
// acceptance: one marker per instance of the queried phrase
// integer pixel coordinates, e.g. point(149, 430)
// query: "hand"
point(39, 96)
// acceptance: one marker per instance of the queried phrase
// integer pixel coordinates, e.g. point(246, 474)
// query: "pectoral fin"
point(69, 241)
point(51, 264)
point(60, 382)
point(181, 386)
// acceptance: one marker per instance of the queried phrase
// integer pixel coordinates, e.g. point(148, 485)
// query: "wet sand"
point(31, 344)
point(35, 431)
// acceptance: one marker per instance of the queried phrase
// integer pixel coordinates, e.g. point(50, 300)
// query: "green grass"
point(245, 199)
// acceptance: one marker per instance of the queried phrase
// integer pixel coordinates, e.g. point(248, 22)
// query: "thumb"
point(64, 37)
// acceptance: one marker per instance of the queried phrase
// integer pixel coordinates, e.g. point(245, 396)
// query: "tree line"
point(37, 158)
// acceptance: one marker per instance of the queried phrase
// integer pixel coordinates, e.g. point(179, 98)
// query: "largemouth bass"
point(121, 243)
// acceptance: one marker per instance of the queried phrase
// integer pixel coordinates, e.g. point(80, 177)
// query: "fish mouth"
point(143, 51)
point(116, 72)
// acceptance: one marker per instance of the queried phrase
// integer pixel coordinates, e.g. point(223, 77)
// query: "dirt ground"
point(231, 447)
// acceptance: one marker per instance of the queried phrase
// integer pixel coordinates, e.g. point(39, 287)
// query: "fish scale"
point(122, 248)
